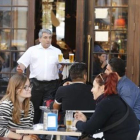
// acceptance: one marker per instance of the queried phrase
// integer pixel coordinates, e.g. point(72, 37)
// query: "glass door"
point(110, 21)
point(114, 32)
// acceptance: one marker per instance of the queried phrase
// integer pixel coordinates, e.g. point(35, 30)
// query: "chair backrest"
point(84, 111)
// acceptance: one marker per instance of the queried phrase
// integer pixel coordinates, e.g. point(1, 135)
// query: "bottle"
point(121, 50)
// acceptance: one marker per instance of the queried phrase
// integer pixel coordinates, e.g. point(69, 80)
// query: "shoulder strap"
point(116, 123)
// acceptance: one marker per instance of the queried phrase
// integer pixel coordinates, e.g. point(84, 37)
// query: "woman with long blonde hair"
point(16, 109)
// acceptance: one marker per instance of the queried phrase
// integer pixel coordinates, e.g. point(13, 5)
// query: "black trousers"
point(42, 91)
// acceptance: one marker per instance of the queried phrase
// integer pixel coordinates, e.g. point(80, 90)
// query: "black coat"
point(109, 110)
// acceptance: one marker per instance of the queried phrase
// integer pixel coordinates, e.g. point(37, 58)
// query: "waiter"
point(44, 67)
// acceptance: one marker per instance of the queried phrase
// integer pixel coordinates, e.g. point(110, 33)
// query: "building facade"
point(112, 25)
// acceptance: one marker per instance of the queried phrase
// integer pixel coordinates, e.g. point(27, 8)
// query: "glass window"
point(20, 2)
point(119, 18)
point(5, 61)
point(102, 18)
point(5, 17)
point(102, 2)
point(5, 39)
point(120, 38)
point(19, 39)
point(13, 37)
point(119, 2)
point(5, 2)
point(20, 17)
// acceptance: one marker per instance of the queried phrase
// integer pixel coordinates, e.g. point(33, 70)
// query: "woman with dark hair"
point(99, 63)
point(110, 108)
point(16, 109)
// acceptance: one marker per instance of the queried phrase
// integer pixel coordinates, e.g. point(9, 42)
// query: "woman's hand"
point(104, 64)
point(31, 137)
point(74, 123)
point(79, 116)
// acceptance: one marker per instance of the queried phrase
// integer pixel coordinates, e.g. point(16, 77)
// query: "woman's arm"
point(5, 115)
point(97, 120)
point(16, 136)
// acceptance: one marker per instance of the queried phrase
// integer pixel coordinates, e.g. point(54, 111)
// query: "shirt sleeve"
point(25, 59)
point(58, 96)
point(5, 115)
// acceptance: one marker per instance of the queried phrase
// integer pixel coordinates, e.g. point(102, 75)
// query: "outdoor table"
point(58, 133)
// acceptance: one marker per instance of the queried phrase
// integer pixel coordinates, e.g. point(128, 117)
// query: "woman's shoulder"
point(109, 104)
point(6, 104)
point(110, 99)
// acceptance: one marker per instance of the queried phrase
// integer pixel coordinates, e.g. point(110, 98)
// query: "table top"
point(62, 132)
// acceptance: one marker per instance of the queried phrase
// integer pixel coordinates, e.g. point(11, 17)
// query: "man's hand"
point(20, 68)
point(67, 83)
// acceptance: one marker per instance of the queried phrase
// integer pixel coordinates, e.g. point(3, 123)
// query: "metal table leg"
point(58, 137)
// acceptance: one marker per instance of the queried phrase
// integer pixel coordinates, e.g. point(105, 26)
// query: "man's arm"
point(56, 106)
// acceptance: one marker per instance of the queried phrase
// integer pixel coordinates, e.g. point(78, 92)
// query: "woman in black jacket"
point(109, 109)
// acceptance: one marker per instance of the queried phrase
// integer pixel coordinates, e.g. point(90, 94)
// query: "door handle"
point(89, 50)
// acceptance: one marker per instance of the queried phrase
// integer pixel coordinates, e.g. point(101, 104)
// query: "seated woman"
point(16, 109)
point(109, 109)
point(99, 63)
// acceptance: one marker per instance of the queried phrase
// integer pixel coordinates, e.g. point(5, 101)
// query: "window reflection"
point(5, 61)
point(119, 2)
point(20, 17)
point(120, 37)
point(120, 18)
point(19, 39)
point(5, 17)
point(5, 39)
point(20, 2)
point(5, 2)
point(103, 2)
point(53, 15)
point(102, 18)
point(8, 62)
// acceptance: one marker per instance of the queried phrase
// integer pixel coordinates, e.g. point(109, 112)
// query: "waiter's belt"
point(42, 82)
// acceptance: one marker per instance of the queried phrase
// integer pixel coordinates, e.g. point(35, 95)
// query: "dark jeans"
point(71, 138)
point(42, 91)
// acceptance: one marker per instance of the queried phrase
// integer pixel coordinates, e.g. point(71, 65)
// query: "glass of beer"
point(69, 119)
point(71, 57)
point(60, 57)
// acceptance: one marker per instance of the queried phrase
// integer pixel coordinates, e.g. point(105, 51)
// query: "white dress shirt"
point(43, 62)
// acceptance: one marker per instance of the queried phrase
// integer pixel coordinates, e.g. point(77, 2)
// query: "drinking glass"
point(60, 57)
point(69, 119)
point(71, 57)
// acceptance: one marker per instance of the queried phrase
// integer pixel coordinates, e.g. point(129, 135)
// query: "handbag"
point(89, 137)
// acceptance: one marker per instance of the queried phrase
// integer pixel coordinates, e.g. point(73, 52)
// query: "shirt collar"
point(41, 47)
point(122, 79)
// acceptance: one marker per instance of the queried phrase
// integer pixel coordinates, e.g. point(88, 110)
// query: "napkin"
point(65, 71)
